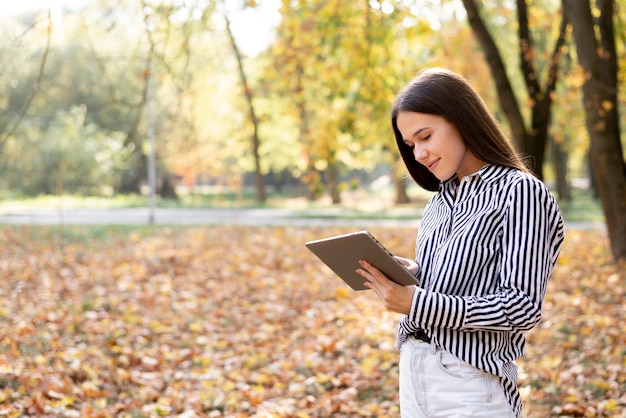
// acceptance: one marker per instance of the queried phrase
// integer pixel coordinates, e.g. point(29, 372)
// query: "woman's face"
point(437, 144)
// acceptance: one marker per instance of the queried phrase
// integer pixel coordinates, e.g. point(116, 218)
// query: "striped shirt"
point(486, 252)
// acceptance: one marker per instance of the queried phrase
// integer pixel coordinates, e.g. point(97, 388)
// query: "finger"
point(368, 276)
point(364, 274)
point(368, 267)
point(403, 261)
point(372, 286)
point(375, 275)
point(369, 282)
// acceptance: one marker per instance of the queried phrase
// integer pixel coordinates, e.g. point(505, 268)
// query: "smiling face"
point(437, 145)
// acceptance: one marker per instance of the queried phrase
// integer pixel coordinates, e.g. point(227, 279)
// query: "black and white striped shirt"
point(486, 252)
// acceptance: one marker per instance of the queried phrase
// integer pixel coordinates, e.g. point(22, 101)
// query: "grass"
point(71, 201)
point(360, 204)
point(84, 235)
point(582, 207)
point(208, 200)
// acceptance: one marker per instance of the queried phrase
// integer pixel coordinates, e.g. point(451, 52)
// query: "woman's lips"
point(432, 165)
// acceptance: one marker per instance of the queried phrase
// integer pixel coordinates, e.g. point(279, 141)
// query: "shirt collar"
point(489, 174)
point(492, 172)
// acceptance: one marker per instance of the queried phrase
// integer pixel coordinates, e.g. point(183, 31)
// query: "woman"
point(485, 250)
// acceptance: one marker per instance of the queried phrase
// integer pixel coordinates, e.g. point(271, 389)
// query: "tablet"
point(342, 254)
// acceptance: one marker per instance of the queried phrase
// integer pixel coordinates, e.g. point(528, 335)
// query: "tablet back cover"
point(342, 254)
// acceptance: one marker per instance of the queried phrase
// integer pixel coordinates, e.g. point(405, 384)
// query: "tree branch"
point(506, 96)
point(527, 53)
point(251, 110)
point(36, 87)
point(607, 40)
point(555, 58)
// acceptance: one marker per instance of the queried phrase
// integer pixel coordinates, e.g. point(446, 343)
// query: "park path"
point(141, 216)
point(250, 217)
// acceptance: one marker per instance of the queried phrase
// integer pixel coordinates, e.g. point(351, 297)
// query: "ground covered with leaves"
point(237, 322)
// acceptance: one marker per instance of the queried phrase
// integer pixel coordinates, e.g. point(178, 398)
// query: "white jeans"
point(435, 383)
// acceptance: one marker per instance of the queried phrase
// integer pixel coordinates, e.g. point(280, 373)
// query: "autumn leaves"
point(233, 321)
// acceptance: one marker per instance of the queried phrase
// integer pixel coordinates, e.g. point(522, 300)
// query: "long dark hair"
point(441, 92)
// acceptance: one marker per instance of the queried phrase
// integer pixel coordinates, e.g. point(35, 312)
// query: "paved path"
point(253, 217)
point(141, 216)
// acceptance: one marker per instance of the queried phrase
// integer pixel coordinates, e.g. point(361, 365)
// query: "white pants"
point(435, 383)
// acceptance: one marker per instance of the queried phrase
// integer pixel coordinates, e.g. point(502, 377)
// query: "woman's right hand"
point(410, 265)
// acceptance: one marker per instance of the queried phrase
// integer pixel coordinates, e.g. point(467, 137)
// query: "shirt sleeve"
point(532, 237)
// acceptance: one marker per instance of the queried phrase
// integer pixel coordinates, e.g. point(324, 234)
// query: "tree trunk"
point(333, 182)
point(559, 158)
point(533, 141)
point(601, 115)
point(166, 188)
point(134, 177)
point(506, 97)
point(536, 140)
point(260, 184)
point(401, 195)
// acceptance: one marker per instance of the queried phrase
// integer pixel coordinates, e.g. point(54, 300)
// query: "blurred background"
point(278, 110)
point(257, 103)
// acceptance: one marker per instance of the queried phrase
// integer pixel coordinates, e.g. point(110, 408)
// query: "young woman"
point(486, 247)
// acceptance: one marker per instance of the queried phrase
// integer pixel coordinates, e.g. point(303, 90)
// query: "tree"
point(69, 155)
point(4, 136)
point(597, 55)
point(336, 63)
point(531, 141)
point(254, 120)
point(46, 143)
point(112, 89)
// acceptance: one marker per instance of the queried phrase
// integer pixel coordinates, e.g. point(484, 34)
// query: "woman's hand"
point(411, 265)
point(395, 297)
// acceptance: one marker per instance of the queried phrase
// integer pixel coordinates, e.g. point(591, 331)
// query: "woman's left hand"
point(395, 297)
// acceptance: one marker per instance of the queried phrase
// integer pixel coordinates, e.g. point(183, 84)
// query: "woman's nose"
point(419, 153)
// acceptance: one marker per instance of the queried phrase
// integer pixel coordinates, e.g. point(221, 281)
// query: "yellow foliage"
point(342, 293)
point(177, 320)
point(196, 327)
point(612, 405)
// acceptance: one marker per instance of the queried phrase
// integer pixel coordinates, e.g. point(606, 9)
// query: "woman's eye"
point(425, 137)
